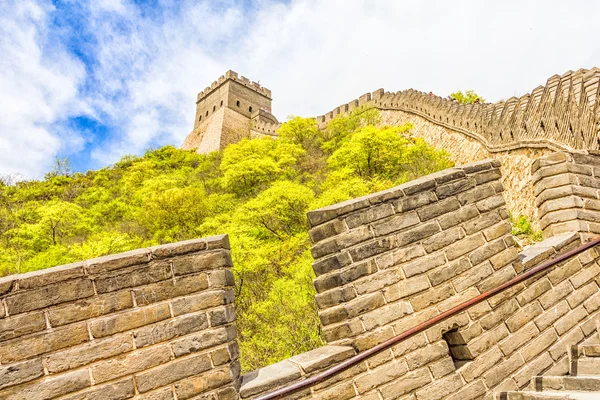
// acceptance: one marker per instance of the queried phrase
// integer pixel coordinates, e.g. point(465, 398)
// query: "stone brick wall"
point(390, 260)
point(566, 186)
point(151, 324)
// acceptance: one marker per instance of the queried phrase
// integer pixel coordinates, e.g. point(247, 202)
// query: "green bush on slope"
point(258, 191)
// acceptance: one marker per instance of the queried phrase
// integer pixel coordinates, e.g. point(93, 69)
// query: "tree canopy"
point(467, 97)
point(258, 191)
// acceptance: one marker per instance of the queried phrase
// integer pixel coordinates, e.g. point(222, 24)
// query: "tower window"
point(221, 103)
point(214, 108)
point(237, 103)
point(207, 113)
point(200, 119)
point(250, 109)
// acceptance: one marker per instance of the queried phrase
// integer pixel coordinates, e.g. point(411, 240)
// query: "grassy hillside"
point(257, 191)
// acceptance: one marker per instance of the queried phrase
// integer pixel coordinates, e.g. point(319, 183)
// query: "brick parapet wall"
point(385, 260)
point(566, 186)
point(497, 345)
point(150, 324)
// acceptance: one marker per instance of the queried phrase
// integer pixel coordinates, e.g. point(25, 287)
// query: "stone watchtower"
point(231, 109)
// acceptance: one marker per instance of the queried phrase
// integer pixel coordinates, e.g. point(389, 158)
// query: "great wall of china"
point(159, 323)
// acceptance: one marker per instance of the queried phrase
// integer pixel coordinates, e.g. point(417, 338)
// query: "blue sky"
point(96, 80)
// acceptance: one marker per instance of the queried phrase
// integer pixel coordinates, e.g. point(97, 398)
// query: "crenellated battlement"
point(233, 76)
point(562, 115)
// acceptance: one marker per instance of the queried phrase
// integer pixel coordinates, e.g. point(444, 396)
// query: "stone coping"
point(427, 182)
point(35, 279)
point(536, 253)
point(275, 375)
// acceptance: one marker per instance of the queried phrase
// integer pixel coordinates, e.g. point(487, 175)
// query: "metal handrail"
point(277, 394)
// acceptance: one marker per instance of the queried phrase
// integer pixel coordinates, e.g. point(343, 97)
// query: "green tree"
point(467, 97)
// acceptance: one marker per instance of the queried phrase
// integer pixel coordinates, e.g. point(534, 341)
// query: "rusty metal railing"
point(279, 393)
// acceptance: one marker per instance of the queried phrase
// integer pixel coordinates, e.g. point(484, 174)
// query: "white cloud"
point(39, 89)
point(314, 55)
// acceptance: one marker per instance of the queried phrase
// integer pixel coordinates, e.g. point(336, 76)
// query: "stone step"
point(584, 360)
point(566, 383)
point(547, 395)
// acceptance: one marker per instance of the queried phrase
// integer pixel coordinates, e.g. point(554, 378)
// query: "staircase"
point(583, 381)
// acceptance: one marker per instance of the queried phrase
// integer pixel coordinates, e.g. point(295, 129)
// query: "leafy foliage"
point(467, 97)
point(522, 229)
point(257, 190)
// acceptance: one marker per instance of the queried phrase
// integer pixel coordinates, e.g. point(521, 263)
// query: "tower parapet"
point(231, 108)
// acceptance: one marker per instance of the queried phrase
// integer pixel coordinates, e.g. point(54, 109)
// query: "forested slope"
point(258, 191)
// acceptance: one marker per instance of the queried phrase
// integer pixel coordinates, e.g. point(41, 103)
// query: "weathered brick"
point(357, 271)
point(130, 363)
point(453, 188)
point(565, 323)
point(423, 264)
point(200, 341)
point(117, 261)
point(119, 390)
point(49, 295)
point(564, 271)
point(371, 248)
point(380, 376)
point(432, 296)
point(418, 200)
point(484, 342)
point(201, 301)
point(187, 246)
point(331, 263)
point(406, 384)
point(558, 293)
point(440, 388)
point(456, 218)
point(192, 386)
point(476, 194)
point(172, 372)
point(137, 277)
point(20, 325)
point(559, 349)
point(426, 355)
point(222, 315)
point(369, 215)
point(500, 314)
point(327, 230)
point(201, 262)
point(519, 339)
point(473, 276)
point(498, 230)
point(25, 371)
point(406, 288)
point(169, 329)
point(417, 233)
point(443, 239)
point(44, 277)
point(496, 374)
point(534, 291)
point(531, 369)
point(539, 344)
point(523, 316)
point(442, 367)
point(395, 223)
point(90, 308)
point(168, 289)
point(464, 246)
point(49, 387)
point(497, 278)
point(486, 176)
point(385, 314)
point(473, 391)
point(335, 296)
point(352, 237)
point(129, 320)
point(584, 276)
point(44, 342)
point(490, 203)
point(486, 251)
point(480, 365)
point(582, 294)
point(551, 315)
point(376, 281)
point(455, 268)
point(439, 208)
point(399, 256)
point(504, 258)
point(89, 352)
